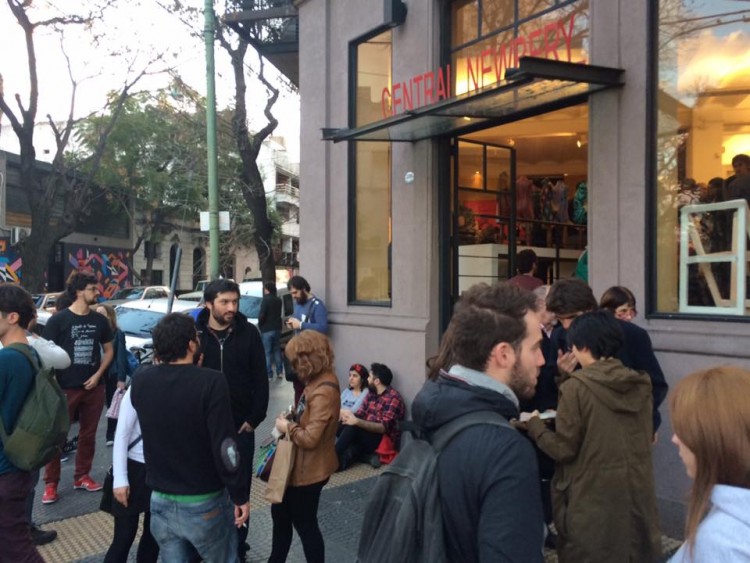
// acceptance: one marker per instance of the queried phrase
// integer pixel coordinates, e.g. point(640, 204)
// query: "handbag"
point(114, 407)
point(108, 496)
point(283, 463)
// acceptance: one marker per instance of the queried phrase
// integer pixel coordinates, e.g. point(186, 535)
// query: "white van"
point(251, 294)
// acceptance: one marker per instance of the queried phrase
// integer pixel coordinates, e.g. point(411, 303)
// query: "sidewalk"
point(86, 538)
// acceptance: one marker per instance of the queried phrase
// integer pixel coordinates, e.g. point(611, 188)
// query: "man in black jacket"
point(488, 480)
point(233, 346)
point(191, 453)
point(269, 324)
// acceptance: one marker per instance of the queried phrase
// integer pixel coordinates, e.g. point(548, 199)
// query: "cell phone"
point(547, 415)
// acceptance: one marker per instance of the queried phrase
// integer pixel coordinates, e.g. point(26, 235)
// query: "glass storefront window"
point(702, 126)
point(373, 76)
point(370, 195)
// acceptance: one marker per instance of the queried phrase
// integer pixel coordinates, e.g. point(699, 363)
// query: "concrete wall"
point(404, 334)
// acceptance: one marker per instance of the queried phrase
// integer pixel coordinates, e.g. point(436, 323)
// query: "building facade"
point(441, 137)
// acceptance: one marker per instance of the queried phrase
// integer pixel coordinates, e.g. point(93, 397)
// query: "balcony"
point(286, 193)
point(290, 230)
point(271, 27)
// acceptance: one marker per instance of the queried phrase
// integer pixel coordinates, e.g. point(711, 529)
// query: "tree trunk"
point(248, 147)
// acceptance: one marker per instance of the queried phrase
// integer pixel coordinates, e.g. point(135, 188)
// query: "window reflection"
point(703, 103)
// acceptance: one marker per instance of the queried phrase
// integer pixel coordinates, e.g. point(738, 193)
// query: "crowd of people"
point(578, 380)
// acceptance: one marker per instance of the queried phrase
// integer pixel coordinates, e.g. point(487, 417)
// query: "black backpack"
point(403, 521)
point(42, 424)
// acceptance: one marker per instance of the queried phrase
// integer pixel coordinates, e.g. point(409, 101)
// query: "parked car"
point(201, 285)
point(138, 293)
point(251, 294)
point(46, 301)
point(138, 318)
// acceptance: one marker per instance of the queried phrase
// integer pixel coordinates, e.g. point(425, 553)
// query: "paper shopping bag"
point(283, 462)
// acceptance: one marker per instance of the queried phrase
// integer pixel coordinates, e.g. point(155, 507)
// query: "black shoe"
point(375, 461)
point(42, 537)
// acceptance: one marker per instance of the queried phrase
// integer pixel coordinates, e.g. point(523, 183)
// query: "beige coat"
point(603, 489)
point(315, 434)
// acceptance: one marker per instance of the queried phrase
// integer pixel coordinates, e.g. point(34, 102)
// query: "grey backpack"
point(403, 521)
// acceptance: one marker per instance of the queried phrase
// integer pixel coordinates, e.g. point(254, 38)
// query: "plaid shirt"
point(388, 409)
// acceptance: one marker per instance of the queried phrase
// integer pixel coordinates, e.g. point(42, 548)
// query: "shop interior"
point(542, 163)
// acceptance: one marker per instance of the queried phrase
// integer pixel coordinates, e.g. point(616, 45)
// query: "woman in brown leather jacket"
point(314, 437)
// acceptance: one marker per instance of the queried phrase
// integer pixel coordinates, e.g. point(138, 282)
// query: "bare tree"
point(60, 199)
point(248, 146)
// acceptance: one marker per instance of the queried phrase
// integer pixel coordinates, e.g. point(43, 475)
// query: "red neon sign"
point(483, 69)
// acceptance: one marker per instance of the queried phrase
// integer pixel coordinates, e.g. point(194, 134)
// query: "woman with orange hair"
point(314, 435)
point(711, 420)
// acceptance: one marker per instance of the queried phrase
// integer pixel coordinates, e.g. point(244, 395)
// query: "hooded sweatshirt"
point(488, 478)
point(603, 489)
point(723, 534)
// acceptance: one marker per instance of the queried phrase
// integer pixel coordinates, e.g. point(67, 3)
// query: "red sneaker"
point(87, 484)
point(50, 493)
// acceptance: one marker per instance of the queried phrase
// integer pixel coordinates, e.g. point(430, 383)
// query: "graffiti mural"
point(111, 266)
point(10, 262)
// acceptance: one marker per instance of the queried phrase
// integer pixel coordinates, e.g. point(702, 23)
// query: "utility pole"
point(213, 175)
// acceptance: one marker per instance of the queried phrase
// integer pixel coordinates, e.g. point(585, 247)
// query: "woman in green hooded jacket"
point(603, 490)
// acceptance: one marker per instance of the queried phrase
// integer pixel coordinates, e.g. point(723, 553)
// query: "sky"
point(135, 31)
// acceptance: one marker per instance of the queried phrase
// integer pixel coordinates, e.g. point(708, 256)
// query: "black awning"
point(536, 86)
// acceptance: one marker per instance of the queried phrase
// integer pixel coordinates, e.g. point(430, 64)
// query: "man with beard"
point(87, 338)
point(379, 415)
point(232, 345)
point(487, 475)
point(310, 313)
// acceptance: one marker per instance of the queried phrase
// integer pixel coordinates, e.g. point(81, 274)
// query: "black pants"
point(246, 445)
point(299, 508)
point(354, 442)
point(126, 527)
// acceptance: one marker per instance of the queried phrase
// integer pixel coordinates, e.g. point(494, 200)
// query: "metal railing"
point(287, 190)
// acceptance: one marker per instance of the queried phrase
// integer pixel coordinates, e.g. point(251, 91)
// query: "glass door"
point(483, 213)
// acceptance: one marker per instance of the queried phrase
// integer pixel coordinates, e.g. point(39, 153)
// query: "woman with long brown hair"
point(314, 435)
point(711, 421)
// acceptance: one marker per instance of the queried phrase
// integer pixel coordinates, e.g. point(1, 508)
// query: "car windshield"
point(250, 306)
point(137, 322)
point(129, 293)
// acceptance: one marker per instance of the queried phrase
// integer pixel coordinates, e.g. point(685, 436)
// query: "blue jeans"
point(272, 346)
point(206, 526)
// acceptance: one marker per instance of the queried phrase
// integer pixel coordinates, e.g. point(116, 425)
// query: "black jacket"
point(636, 353)
point(489, 484)
point(269, 317)
point(242, 360)
point(188, 436)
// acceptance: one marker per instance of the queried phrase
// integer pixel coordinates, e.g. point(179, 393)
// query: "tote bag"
point(283, 462)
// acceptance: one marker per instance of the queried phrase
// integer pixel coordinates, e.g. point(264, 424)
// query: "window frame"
point(652, 188)
point(351, 273)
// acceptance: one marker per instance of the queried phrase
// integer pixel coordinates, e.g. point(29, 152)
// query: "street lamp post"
point(213, 176)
